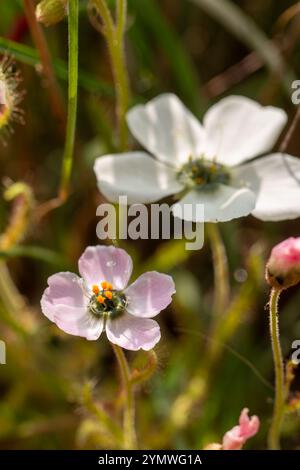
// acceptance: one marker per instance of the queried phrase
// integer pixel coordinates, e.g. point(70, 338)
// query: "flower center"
point(106, 301)
point(201, 173)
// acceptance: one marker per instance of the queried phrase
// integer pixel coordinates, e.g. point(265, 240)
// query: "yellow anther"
point(96, 289)
point(106, 285)
point(100, 299)
point(108, 294)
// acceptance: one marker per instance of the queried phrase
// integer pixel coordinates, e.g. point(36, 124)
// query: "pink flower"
point(100, 299)
point(237, 436)
point(283, 268)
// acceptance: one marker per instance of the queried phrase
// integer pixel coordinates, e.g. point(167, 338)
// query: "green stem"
point(130, 440)
point(221, 274)
point(72, 99)
point(278, 412)
point(114, 35)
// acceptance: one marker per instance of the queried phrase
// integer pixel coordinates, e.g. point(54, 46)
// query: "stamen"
point(201, 174)
point(100, 299)
point(95, 289)
point(106, 301)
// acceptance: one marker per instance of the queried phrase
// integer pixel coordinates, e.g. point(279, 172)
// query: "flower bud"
point(283, 267)
point(50, 12)
point(236, 438)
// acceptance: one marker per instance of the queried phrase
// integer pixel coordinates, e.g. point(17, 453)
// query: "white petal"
point(276, 181)
point(220, 204)
point(238, 128)
point(133, 333)
point(136, 175)
point(166, 128)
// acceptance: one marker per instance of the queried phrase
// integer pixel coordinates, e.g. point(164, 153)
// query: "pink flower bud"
point(283, 267)
point(237, 436)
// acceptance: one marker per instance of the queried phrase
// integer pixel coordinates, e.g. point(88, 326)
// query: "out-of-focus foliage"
point(56, 390)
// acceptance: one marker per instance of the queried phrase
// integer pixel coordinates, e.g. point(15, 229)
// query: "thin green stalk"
point(130, 440)
point(72, 99)
point(114, 35)
point(221, 274)
point(278, 412)
point(121, 19)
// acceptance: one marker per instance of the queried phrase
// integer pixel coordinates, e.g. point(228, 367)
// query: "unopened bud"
point(50, 12)
point(283, 267)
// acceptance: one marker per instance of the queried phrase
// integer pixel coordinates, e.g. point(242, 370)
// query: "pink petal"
point(248, 426)
point(285, 256)
point(133, 333)
point(65, 304)
point(105, 263)
point(149, 294)
point(232, 439)
point(65, 289)
point(86, 326)
point(237, 436)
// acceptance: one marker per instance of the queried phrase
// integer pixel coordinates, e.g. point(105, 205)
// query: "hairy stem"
point(278, 412)
point(130, 440)
point(221, 274)
point(114, 34)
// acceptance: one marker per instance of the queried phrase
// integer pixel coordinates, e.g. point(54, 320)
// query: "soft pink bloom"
point(100, 299)
point(237, 436)
point(286, 255)
point(283, 268)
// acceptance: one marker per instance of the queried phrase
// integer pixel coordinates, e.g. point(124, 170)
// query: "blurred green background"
point(201, 54)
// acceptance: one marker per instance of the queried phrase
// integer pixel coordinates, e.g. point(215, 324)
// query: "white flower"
point(211, 164)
